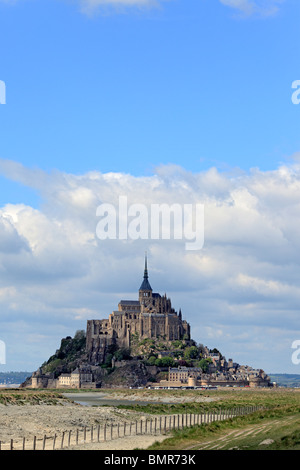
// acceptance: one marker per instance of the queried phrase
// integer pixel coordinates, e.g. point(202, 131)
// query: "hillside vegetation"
point(70, 354)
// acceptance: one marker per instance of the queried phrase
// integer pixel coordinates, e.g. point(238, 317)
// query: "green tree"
point(122, 354)
point(165, 362)
point(191, 352)
point(204, 364)
point(107, 362)
point(151, 360)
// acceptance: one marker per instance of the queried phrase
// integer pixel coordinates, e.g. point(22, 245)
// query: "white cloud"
point(250, 7)
point(246, 7)
point(92, 6)
point(55, 273)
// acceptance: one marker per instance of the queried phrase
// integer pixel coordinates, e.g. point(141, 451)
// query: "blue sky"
point(195, 83)
point(134, 88)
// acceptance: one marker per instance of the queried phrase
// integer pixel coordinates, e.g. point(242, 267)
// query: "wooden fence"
point(109, 430)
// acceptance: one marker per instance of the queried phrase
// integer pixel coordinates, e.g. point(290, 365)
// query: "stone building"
point(243, 376)
point(80, 378)
point(182, 375)
point(151, 316)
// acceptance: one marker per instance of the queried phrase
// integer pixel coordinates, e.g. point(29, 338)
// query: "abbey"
point(151, 316)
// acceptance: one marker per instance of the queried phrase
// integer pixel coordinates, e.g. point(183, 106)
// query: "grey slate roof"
point(145, 284)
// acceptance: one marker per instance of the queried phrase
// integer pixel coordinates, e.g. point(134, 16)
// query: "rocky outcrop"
point(132, 374)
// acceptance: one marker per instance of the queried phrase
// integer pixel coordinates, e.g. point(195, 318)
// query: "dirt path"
point(231, 439)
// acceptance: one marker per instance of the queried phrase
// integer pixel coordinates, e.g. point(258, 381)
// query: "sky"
point(159, 101)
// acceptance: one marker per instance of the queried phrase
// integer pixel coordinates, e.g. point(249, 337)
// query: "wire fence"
point(108, 431)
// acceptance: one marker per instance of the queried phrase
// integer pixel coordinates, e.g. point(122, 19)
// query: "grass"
point(219, 399)
point(278, 424)
point(279, 421)
point(30, 397)
point(239, 433)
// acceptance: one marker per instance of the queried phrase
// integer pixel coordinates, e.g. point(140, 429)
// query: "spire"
point(145, 284)
point(146, 269)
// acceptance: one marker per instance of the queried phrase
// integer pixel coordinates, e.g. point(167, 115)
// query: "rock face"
point(133, 374)
point(266, 442)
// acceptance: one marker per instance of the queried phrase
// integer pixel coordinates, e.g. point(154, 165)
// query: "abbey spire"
point(145, 289)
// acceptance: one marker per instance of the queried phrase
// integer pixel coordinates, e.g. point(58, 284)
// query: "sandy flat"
point(124, 443)
point(66, 419)
point(17, 422)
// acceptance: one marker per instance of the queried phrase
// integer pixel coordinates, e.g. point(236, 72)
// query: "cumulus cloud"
point(240, 290)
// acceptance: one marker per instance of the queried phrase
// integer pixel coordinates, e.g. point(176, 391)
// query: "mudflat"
point(26, 420)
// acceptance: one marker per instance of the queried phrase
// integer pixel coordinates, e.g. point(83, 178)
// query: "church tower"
point(145, 291)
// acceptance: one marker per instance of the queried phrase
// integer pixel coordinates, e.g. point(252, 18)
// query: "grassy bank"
point(274, 428)
point(219, 399)
point(31, 397)
point(261, 431)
